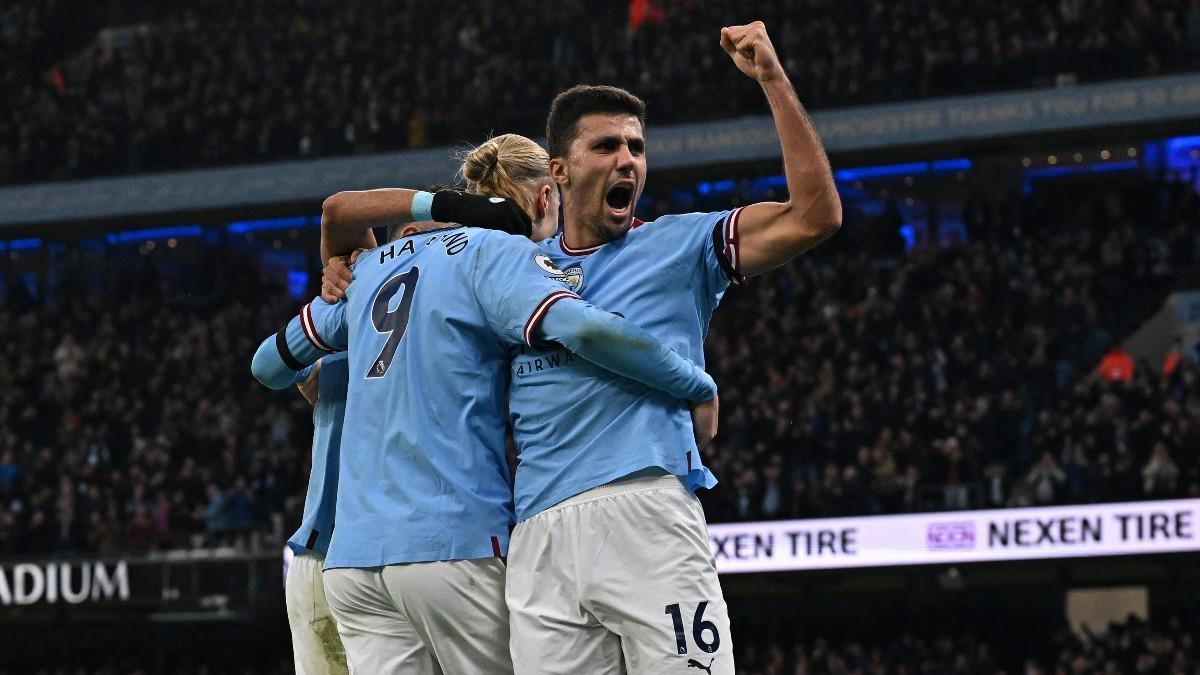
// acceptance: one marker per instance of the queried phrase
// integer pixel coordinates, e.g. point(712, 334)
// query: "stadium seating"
point(232, 81)
point(131, 422)
point(1133, 646)
point(965, 377)
point(852, 383)
point(1130, 647)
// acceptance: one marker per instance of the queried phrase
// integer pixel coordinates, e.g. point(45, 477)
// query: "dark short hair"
point(586, 99)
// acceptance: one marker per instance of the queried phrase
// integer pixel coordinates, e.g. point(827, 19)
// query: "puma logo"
point(693, 663)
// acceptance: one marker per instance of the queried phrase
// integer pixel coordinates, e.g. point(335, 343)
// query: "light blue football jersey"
point(578, 426)
point(317, 526)
point(429, 320)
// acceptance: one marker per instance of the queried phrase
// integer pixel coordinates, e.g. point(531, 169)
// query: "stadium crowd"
point(1134, 646)
point(128, 421)
point(962, 376)
point(965, 377)
point(1131, 647)
point(219, 82)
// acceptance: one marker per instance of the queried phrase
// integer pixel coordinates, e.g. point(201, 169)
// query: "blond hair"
point(509, 165)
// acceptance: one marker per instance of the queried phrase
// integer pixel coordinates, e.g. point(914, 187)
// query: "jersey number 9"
point(394, 322)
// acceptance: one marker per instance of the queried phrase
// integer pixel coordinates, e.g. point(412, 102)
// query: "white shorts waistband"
point(620, 486)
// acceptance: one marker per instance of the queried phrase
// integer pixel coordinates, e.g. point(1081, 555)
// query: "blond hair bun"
point(510, 166)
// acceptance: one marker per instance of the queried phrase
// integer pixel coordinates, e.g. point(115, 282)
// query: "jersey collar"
point(562, 242)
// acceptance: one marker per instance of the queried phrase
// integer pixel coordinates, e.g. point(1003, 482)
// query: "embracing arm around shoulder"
point(619, 345)
point(283, 359)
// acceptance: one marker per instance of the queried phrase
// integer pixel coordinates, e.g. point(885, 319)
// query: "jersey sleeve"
point(318, 329)
point(514, 284)
point(710, 242)
point(617, 344)
point(302, 374)
point(720, 246)
point(723, 245)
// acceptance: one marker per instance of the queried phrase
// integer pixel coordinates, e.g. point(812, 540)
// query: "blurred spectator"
point(1174, 356)
point(1117, 365)
point(215, 514)
point(1160, 475)
point(1045, 480)
point(8, 469)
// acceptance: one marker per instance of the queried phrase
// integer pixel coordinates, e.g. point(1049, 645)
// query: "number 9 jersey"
point(429, 322)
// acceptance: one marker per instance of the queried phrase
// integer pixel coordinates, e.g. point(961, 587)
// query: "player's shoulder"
point(495, 241)
point(678, 231)
point(676, 221)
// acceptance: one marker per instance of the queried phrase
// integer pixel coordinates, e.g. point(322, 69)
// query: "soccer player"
point(610, 565)
point(414, 571)
point(316, 645)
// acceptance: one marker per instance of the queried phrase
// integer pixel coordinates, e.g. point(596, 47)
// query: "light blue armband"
point(422, 206)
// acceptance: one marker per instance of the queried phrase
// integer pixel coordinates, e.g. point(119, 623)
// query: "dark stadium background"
point(1020, 202)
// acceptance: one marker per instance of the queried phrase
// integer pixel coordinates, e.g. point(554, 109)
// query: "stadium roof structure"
point(961, 121)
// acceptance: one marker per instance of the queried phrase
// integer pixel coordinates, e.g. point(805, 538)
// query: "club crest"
point(572, 276)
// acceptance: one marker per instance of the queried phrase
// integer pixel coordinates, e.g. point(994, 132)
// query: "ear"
point(559, 173)
point(543, 201)
point(409, 229)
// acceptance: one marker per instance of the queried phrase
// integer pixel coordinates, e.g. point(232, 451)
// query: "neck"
point(580, 238)
point(579, 234)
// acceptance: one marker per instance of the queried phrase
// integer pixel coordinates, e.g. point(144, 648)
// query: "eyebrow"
point(636, 142)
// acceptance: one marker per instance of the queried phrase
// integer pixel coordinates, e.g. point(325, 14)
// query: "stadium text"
point(1134, 528)
point(72, 583)
point(1077, 530)
point(798, 542)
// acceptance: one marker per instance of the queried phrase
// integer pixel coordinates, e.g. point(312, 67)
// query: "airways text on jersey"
point(529, 361)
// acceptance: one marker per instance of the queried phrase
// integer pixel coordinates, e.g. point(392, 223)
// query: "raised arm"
point(618, 345)
point(769, 234)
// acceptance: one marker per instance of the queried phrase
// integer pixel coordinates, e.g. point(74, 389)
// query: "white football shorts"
point(423, 618)
point(618, 579)
point(315, 641)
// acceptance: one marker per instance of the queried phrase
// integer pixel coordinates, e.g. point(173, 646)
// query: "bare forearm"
point(771, 233)
point(347, 218)
point(809, 177)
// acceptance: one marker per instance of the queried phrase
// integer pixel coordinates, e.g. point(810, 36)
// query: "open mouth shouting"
point(619, 200)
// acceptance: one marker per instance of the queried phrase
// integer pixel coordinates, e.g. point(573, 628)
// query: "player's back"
point(328, 416)
point(423, 470)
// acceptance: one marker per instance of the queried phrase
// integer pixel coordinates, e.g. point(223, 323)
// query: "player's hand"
point(308, 388)
point(336, 277)
point(704, 421)
point(752, 51)
point(493, 213)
